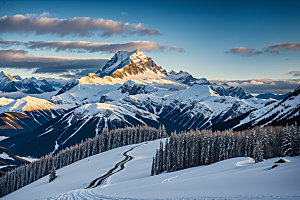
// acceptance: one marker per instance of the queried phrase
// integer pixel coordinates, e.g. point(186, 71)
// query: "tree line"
point(195, 148)
point(28, 173)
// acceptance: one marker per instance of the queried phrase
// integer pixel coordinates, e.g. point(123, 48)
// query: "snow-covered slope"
point(28, 104)
point(23, 115)
point(282, 111)
point(237, 178)
point(10, 83)
point(4, 101)
point(76, 125)
point(277, 113)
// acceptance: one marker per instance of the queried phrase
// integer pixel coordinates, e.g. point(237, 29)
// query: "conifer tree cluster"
point(28, 173)
point(195, 148)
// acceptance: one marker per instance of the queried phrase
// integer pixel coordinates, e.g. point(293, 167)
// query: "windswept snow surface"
point(237, 178)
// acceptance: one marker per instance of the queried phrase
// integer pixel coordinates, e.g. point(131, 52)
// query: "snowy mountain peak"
point(5, 74)
point(89, 79)
point(186, 78)
point(124, 62)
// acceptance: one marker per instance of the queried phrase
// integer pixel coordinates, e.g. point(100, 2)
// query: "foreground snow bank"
point(237, 178)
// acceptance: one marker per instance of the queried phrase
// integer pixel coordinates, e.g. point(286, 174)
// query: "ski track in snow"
point(89, 192)
point(99, 181)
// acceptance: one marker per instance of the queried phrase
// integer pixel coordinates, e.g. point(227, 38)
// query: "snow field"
point(236, 178)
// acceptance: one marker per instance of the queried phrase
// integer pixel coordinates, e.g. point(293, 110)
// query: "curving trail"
point(89, 192)
point(99, 181)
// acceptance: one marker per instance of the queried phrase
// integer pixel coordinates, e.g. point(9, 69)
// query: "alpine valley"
point(130, 90)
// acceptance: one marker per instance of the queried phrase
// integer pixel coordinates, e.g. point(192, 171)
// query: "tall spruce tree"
point(52, 174)
point(290, 144)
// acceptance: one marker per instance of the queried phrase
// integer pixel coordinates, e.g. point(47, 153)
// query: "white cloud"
point(77, 26)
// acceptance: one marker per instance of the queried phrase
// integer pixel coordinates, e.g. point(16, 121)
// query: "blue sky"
point(205, 30)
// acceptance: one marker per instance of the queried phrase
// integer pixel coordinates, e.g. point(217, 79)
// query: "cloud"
point(48, 64)
point(258, 86)
point(244, 51)
point(8, 43)
point(294, 73)
point(85, 46)
point(77, 26)
point(275, 49)
point(179, 49)
point(271, 49)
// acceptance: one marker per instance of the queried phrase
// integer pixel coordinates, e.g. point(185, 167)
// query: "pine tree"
point(52, 174)
point(290, 144)
point(258, 152)
point(153, 167)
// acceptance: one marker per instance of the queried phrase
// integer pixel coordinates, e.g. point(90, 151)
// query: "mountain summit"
point(131, 63)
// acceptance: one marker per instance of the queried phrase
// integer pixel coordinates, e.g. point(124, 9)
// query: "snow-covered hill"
point(237, 178)
point(10, 83)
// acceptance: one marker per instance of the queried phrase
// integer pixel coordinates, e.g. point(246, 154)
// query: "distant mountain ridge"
point(272, 96)
point(32, 85)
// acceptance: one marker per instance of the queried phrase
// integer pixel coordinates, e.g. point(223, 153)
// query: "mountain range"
point(130, 90)
point(272, 96)
point(31, 85)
